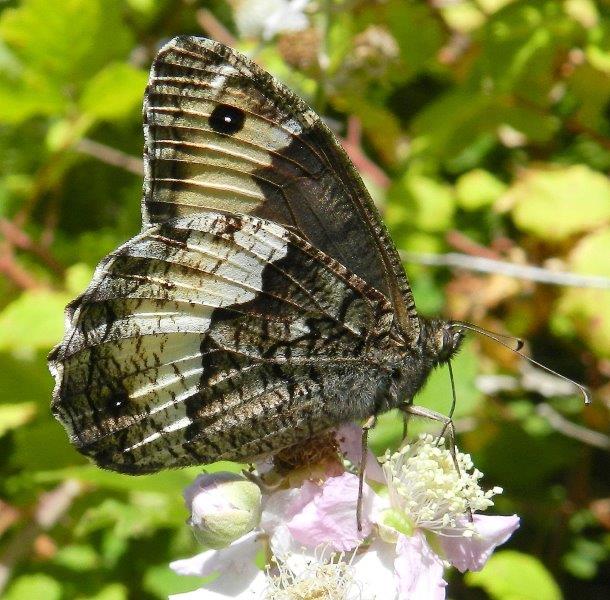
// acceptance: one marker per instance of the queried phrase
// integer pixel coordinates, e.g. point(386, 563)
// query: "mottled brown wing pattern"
point(222, 134)
point(213, 337)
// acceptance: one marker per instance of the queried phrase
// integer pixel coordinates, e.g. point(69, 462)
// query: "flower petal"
point(282, 505)
point(253, 591)
point(472, 553)
point(349, 437)
point(374, 571)
point(419, 570)
point(330, 517)
point(236, 558)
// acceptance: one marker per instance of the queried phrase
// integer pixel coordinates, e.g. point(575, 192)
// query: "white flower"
point(428, 494)
point(427, 500)
point(267, 18)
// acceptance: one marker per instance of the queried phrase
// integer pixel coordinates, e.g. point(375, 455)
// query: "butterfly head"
point(441, 340)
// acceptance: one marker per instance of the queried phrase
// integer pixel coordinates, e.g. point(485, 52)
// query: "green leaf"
point(418, 33)
point(34, 321)
point(15, 415)
point(68, 40)
point(598, 49)
point(519, 48)
point(114, 92)
point(585, 308)
point(77, 557)
point(161, 581)
point(34, 586)
point(56, 46)
point(452, 122)
point(114, 591)
point(422, 202)
point(163, 481)
point(554, 204)
point(477, 189)
point(511, 575)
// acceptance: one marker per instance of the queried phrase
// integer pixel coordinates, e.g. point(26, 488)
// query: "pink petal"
point(349, 437)
point(418, 569)
point(279, 507)
point(472, 553)
point(330, 517)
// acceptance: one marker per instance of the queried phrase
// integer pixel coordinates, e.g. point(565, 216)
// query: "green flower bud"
point(224, 507)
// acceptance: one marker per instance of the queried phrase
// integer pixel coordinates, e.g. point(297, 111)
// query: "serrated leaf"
point(511, 575)
point(554, 204)
point(114, 93)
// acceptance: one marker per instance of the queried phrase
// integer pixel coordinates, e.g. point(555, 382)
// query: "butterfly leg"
point(448, 427)
point(368, 425)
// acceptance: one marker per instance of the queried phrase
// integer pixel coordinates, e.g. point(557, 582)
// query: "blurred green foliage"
point(480, 126)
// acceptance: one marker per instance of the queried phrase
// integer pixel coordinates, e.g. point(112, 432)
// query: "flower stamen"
point(425, 485)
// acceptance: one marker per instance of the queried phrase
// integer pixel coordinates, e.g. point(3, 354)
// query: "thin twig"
point(352, 144)
point(559, 423)
point(462, 243)
point(488, 265)
point(212, 26)
point(11, 269)
point(20, 239)
point(111, 156)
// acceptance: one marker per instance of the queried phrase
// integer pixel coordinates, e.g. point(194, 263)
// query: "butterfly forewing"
point(222, 134)
point(215, 336)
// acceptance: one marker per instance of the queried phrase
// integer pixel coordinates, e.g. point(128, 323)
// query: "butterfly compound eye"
point(227, 119)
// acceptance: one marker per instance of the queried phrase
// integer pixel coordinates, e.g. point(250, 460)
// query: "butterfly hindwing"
point(223, 135)
point(215, 336)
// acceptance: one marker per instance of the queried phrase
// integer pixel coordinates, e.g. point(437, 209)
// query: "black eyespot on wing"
point(227, 119)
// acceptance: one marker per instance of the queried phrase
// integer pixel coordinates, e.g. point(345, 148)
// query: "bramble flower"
point(423, 520)
point(433, 494)
point(432, 490)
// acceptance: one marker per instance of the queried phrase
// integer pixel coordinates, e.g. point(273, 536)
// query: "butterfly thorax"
point(408, 364)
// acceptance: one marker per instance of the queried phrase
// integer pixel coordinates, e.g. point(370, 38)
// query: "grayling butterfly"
point(263, 302)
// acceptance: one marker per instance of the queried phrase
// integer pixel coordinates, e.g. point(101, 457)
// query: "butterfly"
point(263, 301)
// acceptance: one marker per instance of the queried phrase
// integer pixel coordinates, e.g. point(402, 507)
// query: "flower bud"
point(224, 507)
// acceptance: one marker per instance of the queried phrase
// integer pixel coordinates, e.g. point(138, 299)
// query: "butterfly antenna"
point(498, 337)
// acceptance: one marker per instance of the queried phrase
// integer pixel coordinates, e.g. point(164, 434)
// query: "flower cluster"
point(419, 516)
